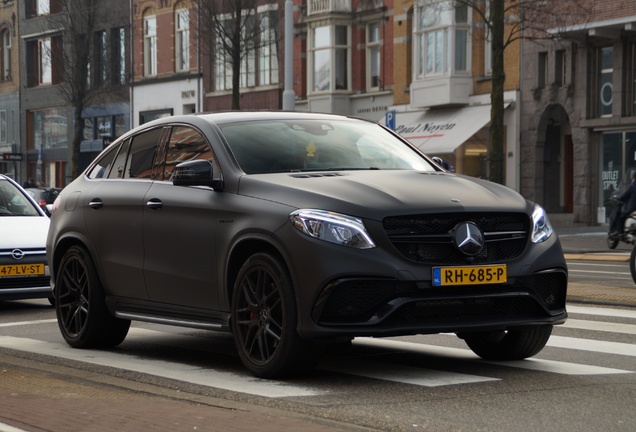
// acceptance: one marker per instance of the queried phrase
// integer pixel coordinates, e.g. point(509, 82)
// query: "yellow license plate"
point(21, 270)
point(477, 275)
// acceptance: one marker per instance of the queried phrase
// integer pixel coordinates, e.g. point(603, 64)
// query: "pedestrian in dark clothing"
point(628, 198)
point(30, 183)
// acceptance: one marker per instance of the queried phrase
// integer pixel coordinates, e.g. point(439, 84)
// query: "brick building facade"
point(578, 137)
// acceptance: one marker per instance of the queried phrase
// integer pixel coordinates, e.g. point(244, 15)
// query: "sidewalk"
point(590, 244)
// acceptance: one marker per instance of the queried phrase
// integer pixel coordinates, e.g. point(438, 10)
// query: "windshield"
point(13, 202)
point(318, 145)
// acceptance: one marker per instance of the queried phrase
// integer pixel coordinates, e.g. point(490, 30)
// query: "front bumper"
point(384, 307)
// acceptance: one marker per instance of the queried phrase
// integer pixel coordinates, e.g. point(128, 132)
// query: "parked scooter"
point(628, 235)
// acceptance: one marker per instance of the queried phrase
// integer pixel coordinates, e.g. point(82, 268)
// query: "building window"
point(248, 59)
point(487, 45)
point(6, 55)
point(118, 55)
point(268, 53)
point(37, 7)
point(630, 93)
point(147, 116)
point(44, 61)
point(222, 63)
point(101, 57)
point(150, 46)
point(605, 88)
point(542, 73)
point(442, 35)
point(182, 42)
point(50, 128)
point(3, 126)
point(259, 59)
point(559, 68)
point(45, 72)
point(330, 54)
point(374, 59)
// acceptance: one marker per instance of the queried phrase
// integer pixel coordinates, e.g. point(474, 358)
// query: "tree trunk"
point(496, 140)
point(78, 132)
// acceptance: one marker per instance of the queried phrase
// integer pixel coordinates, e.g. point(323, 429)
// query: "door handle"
point(154, 204)
point(96, 204)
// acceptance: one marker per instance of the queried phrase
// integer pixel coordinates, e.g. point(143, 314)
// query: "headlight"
point(332, 227)
point(541, 228)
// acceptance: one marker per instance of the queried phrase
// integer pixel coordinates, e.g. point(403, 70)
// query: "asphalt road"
point(172, 379)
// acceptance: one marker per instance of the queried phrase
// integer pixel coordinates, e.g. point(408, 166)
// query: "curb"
point(598, 256)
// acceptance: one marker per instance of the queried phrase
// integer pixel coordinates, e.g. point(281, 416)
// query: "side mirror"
point(195, 173)
point(443, 163)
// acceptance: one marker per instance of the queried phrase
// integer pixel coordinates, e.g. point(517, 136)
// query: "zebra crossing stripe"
point(535, 364)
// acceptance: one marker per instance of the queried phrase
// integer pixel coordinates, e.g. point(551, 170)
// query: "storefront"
point(617, 163)
point(461, 136)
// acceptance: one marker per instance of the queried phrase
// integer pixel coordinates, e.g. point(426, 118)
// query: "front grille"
point(382, 302)
point(429, 238)
point(26, 282)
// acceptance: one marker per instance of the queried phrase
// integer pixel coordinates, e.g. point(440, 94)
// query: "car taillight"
point(56, 204)
point(42, 203)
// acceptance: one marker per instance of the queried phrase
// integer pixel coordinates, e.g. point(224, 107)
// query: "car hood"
point(377, 194)
point(23, 232)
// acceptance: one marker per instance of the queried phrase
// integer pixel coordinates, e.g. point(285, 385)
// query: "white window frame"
point(150, 45)
point(436, 39)
point(374, 55)
point(182, 39)
point(330, 51)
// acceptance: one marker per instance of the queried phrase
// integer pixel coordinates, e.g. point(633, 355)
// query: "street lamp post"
point(289, 102)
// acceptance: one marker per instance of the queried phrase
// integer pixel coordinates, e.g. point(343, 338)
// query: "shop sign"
point(11, 156)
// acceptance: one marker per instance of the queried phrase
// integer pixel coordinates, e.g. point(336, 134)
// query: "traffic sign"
point(390, 119)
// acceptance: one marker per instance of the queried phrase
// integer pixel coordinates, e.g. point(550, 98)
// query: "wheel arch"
point(241, 251)
point(64, 244)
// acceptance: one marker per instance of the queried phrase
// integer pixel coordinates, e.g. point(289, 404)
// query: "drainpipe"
point(289, 102)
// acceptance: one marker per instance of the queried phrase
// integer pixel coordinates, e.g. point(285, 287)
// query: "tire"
point(514, 344)
point(80, 304)
point(612, 243)
point(264, 320)
point(632, 264)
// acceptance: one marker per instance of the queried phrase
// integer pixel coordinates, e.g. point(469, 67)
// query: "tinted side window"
point(103, 164)
point(185, 144)
point(120, 161)
point(142, 153)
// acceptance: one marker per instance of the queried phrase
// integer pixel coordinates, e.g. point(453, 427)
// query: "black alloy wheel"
point(264, 320)
point(513, 344)
point(80, 304)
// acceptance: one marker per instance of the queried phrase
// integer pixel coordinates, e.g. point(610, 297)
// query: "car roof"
point(223, 117)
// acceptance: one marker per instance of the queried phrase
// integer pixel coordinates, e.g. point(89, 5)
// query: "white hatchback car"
point(24, 272)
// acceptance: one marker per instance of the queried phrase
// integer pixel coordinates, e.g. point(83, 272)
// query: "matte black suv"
point(295, 231)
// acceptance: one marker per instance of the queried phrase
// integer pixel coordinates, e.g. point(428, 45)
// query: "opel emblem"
point(17, 254)
point(468, 238)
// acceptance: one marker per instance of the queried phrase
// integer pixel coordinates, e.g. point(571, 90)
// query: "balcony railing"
point(315, 7)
